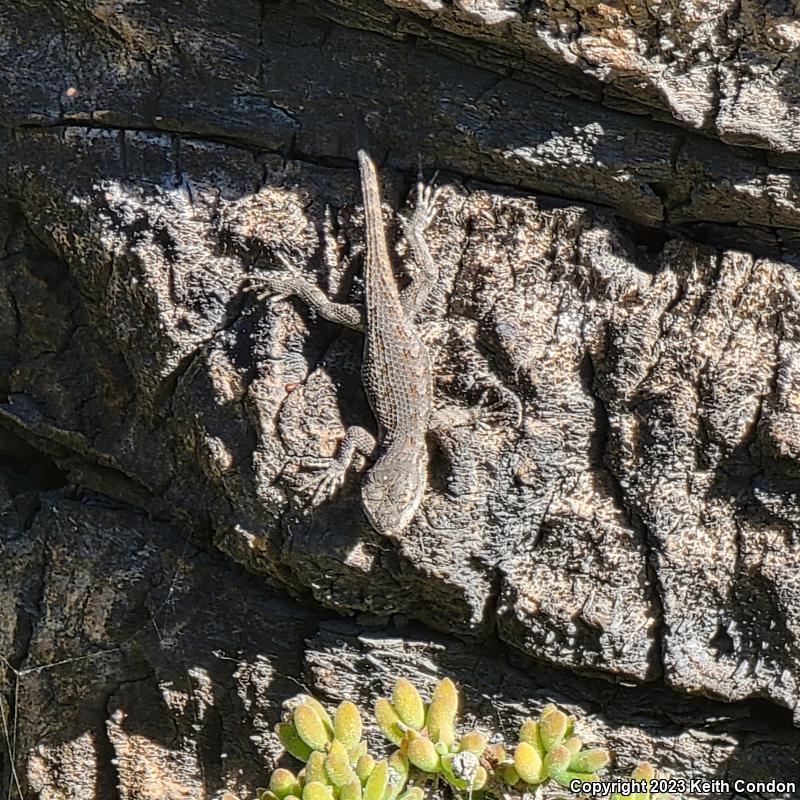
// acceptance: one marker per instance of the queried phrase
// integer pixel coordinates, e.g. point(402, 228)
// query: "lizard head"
point(391, 494)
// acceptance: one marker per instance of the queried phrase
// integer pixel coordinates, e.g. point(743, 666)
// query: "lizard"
point(396, 366)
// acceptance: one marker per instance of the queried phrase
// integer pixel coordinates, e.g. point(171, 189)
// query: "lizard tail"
point(377, 246)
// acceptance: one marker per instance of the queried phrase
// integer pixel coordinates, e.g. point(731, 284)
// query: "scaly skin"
point(396, 370)
point(397, 378)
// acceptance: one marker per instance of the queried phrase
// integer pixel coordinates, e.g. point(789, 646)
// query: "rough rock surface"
point(610, 268)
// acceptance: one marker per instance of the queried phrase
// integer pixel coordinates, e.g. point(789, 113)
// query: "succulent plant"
point(428, 748)
point(426, 734)
point(645, 773)
point(337, 764)
point(547, 749)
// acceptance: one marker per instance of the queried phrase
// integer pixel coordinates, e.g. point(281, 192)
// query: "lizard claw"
point(326, 482)
point(508, 405)
point(276, 285)
point(427, 197)
point(425, 209)
point(513, 406)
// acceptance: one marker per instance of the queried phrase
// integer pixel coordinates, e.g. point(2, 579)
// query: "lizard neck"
point(380, 286)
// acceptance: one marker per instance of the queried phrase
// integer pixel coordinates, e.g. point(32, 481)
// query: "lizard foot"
point(326, 481)
point(506, 408)
point(276, 285)
point(425, 209)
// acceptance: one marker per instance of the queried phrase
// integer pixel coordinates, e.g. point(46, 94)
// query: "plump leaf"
point(321, 712)
point(422, 754)
point(509, 774)
point(292, 742)
point(440, 722)
point(315, 769)
point(446, 693)
point(351, 791)
point(529, 732)
point(590, 760)
point(376, 783)
point(364, 767)
point(473, 742)
point(408, 704)
point(347, 726)
point(317, 791)
point(528, 763)
point(388, 721)
point(557, 761)
point(337, 764)
point(282, 782)
point(310, 727)
point(553, 727)
point(479, 781)
point(356, 752)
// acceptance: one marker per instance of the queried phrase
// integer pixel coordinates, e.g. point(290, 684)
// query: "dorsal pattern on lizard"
point(396, 368)
point(397, 378)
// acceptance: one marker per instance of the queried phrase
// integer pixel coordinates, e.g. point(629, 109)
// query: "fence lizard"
point(396, 368)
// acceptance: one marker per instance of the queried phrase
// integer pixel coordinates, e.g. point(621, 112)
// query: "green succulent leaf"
point(356, 752)
point(529, 732)
point(479, 781)
point(292, 742)
point(310, 727)
point(408, 704)
point(377, 781)
point(528, 763)
point(553, 727)
point(282, 782)
point(364, 767)
point(388, 721)
point(317, 791)
point(347, 725)
point(442, 748)
point(509, 774)
point(472, 742)
point(557, 761)
point(590, 760)
point(352, 790)
point(422, 754)
point(315, 771)
point(321, 712)
point(440, 719)
point(337, 764)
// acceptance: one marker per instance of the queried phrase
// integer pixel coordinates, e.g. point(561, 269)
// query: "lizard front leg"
point(291, 283)
point(334, 470)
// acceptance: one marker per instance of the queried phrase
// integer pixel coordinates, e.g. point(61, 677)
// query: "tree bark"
point(617, 239)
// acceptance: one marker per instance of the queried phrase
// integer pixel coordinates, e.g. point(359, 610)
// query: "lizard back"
point(396, 370)
point(396, 374)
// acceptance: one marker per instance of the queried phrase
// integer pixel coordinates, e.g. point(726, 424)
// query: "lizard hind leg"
point(426, 273)
point(330, 473)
